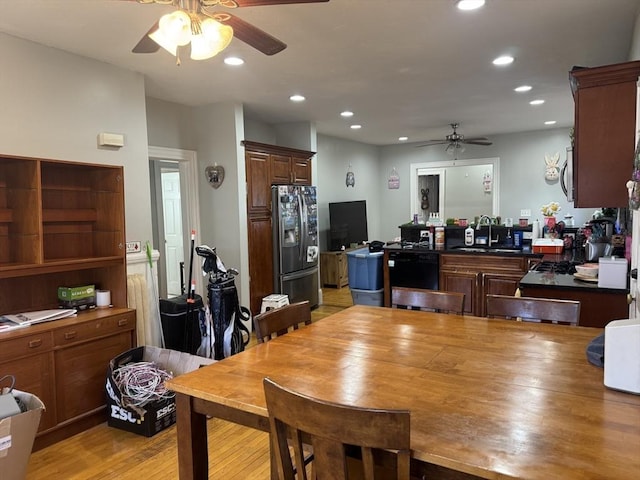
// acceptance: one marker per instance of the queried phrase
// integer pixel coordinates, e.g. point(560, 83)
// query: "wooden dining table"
point(488, 398)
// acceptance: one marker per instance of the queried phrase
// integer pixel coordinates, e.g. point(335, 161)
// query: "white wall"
point(333, 160)
point(522, 182)
point(54, 105)
point(170, 125)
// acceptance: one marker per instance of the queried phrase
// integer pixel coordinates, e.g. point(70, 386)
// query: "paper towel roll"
point(103, 298)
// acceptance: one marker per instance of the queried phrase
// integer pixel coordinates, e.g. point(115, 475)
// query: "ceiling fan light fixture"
point(213, 37)
point(174, 30)
point(455, 148)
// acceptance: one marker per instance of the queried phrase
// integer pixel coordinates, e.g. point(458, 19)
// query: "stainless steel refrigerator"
point(295, 242)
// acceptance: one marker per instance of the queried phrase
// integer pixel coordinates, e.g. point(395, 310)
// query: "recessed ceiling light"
point(469, 4)
point(536, 102)
point(523, 88)
point(233, 61)
point(550, 122)
point(297, 98)
point(403, 139)
point(356, 127)
point(346, 113)
point(503, 60)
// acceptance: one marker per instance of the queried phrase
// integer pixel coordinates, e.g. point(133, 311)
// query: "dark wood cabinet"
point(479, 275)
point(605, 127)
point(62, 224)
point(267, 165)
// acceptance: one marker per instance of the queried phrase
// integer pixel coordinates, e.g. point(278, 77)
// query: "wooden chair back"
point(279, 321)
point(431, 300)
point(545, 310)
point(331, 427)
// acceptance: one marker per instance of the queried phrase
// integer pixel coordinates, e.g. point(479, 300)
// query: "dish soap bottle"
point(469, 236)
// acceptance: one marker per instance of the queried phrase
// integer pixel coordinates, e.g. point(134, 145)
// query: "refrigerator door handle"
point(303, 225)
point(299, 274)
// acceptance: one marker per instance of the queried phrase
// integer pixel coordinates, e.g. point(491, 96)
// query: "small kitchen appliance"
point(612, 272)
point(622, 355)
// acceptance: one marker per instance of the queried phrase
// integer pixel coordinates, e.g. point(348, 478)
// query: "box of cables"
point(137, 400)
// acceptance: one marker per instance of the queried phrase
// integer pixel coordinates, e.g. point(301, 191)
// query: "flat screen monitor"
point(347, 224)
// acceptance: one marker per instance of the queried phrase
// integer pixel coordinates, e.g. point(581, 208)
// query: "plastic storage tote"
point(365, 269)
point(373, 298)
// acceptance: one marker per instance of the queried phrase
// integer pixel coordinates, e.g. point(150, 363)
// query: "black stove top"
point(561, 267)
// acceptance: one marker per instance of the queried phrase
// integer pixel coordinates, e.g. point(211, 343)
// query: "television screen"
point(347, 224)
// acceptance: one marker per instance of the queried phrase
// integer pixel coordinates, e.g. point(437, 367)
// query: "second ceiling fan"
point(208, 32)
point(456, 141)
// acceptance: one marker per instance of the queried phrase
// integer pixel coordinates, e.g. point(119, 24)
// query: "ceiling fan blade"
point(253, 36)
point(477, 141)
point(433, 142)
point(146, 45)
point(259, 3)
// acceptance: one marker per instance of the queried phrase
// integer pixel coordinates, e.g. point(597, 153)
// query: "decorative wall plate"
point(215, 175)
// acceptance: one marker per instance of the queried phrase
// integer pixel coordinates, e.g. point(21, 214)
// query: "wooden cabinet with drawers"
point(62, 224)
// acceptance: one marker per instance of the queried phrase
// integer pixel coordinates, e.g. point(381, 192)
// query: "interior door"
point(173, 243)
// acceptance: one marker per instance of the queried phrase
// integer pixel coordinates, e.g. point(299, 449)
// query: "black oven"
point(413, 269)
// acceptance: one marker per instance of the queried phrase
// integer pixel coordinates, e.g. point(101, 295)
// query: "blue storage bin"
point(365, 269)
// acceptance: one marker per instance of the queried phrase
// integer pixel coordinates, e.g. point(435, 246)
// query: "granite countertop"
point(563, 281)
point(459, 250)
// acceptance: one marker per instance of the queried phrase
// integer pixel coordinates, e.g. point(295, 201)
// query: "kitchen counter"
point(564, 281)
point(598, 306)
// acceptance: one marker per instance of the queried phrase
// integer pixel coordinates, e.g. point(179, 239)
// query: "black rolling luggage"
point(181, 323)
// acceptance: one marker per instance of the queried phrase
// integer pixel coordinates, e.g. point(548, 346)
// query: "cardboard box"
point(154, 416)
point(17, 433)
point(80, 298)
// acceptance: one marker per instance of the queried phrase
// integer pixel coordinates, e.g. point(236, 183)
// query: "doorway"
point(174, 196)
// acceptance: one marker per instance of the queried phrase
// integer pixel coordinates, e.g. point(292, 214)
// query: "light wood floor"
point(105, 453)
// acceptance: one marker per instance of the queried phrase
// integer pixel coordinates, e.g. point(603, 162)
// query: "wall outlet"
point(525, 212)
point(133, 247)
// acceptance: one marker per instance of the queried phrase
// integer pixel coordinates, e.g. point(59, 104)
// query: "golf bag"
point(223, 330)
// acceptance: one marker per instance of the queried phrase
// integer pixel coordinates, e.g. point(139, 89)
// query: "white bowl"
point(588, 269)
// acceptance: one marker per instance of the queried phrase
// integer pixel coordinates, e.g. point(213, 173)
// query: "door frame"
point(188, 166)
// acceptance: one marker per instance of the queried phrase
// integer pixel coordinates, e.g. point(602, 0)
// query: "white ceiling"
point(405, 67)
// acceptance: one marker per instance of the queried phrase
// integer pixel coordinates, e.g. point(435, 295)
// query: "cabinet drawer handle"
point(122, 322)
point(70, 335)
point(35, 343)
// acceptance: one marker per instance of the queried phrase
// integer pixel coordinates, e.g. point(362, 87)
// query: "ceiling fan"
point(456, 141)
point(209, 32)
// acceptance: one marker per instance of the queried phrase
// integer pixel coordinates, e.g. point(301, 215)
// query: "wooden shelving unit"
point(62, 224)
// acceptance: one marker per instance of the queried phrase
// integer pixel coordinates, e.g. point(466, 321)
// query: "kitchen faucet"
point(482, 217)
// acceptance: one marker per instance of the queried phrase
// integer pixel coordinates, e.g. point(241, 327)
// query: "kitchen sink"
point(488, 249)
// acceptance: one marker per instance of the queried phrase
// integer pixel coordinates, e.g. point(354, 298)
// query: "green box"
point(68, 294)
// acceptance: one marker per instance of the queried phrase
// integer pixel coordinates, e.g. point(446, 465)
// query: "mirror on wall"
point(455, 189)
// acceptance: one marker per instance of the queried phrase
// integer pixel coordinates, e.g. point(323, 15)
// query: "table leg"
point(193, 454)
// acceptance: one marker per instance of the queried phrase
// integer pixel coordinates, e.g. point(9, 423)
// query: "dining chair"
point(331, 428)
point(278, 321)
point(545, 310)
point(430, 300)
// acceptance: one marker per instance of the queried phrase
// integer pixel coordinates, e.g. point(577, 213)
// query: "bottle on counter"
point(469, 236)
point(535, 229)
point(439, 237)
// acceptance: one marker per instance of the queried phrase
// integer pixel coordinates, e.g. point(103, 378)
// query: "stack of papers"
point(9, 322)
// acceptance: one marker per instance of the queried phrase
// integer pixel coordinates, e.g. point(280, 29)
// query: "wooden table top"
point(492, 398)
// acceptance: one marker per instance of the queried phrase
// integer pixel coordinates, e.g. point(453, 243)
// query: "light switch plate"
point(525, 212)
point(133, 247)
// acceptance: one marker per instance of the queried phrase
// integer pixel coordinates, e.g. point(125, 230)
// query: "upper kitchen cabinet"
point(605, 126)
